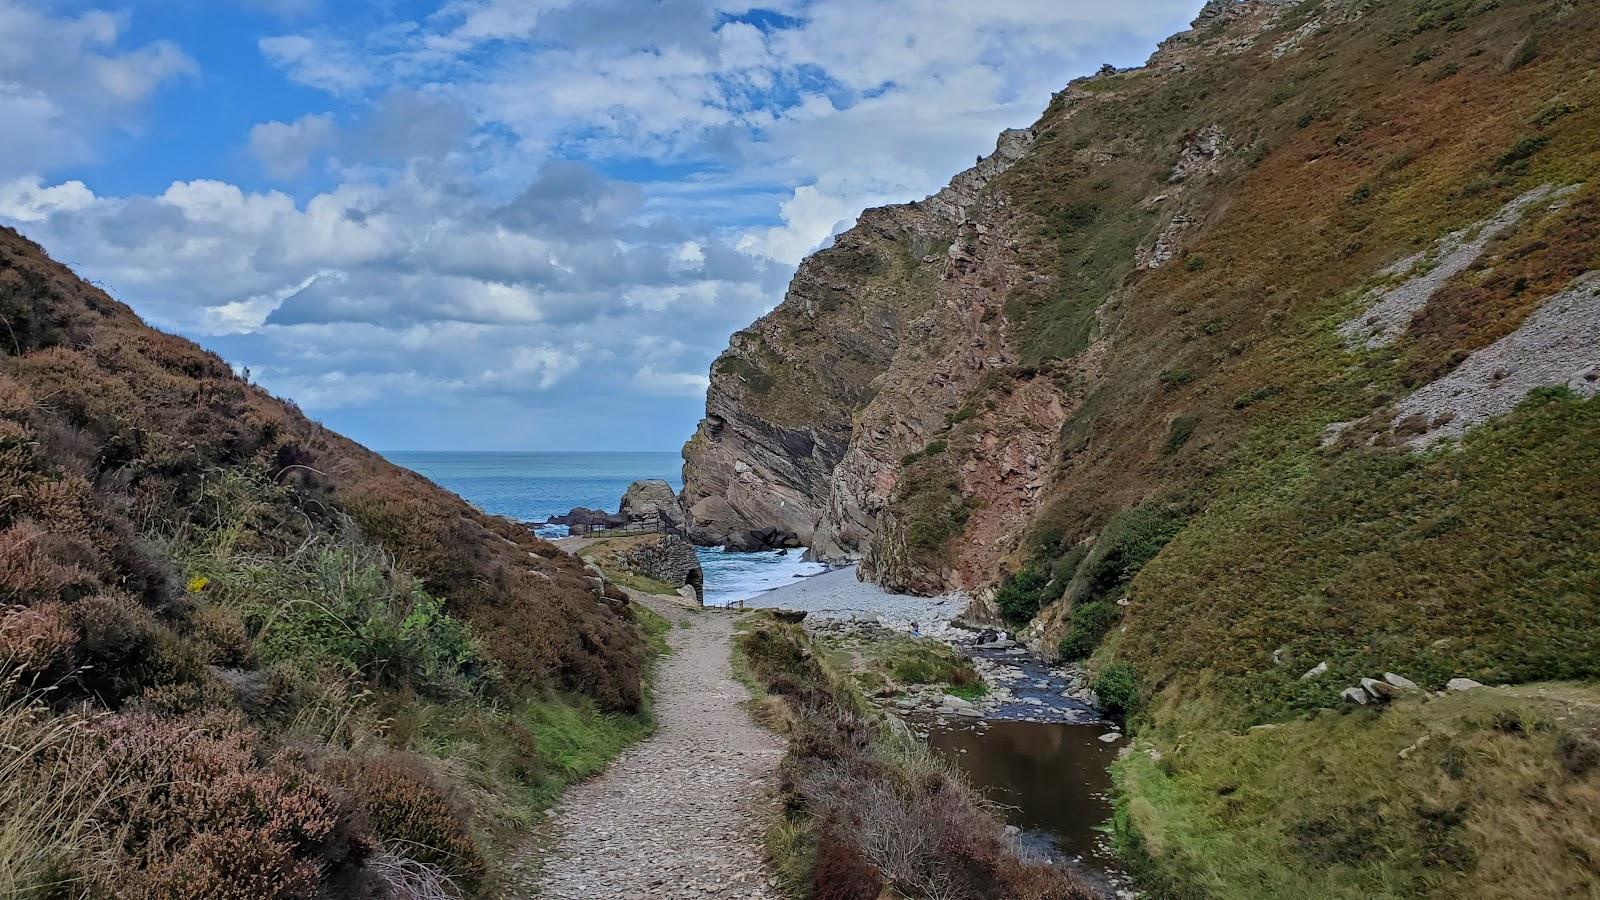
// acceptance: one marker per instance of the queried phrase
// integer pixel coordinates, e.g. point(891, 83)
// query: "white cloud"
point(809, 216)
point(28, 200)
point(327, 65)
point(285, 149)
point(453, 248)
point(64, 80)
point(681, 384)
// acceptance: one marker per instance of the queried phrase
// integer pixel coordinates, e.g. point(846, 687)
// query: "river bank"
point(1023, 732)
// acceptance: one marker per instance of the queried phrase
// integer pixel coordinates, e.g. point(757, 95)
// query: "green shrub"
point(931, 662)
point(1521, 151)
point(1090, 623)
point(343, 606)
point(931, 508)
point(1179, 432)
point(1172, 379)
point(747, 372)
point(1118, 686)
point(1128, 542)
point(1022, 593)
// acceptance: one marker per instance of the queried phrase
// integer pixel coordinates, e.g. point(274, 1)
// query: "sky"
point(502, 224)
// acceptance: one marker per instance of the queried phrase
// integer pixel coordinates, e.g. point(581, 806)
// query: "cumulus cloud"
point(285, 149)
point(66, 79)
point(502, 202)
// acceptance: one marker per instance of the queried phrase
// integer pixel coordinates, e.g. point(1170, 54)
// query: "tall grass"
point(51, 836)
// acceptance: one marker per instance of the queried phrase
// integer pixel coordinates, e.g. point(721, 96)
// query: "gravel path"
point(682, 814)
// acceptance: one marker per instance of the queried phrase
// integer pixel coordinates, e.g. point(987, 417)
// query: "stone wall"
point(665, 558)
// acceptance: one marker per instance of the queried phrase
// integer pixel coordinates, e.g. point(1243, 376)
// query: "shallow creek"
point(1038, 753)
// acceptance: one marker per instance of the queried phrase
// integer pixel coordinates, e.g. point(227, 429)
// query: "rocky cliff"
point(782, 407)
point(1274, 357)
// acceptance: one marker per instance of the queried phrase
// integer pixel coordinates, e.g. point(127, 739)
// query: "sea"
point(532, 486)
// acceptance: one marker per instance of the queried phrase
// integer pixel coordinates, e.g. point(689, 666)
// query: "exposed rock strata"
point(783, 398)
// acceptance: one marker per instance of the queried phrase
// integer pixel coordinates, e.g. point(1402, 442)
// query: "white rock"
point(1461, 684)
point(1355, 695)
point(1401, 682)
point(1111, 737)
point(1316, 670)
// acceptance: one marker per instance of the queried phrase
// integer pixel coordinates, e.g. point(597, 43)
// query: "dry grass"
point(54, 839)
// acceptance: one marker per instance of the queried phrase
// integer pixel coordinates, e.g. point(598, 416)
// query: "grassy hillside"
point(1382, 129)
point(241, 656)
point(1313, 295)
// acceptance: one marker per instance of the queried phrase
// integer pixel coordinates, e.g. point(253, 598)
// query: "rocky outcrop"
point(652, 503)
point(782, 406)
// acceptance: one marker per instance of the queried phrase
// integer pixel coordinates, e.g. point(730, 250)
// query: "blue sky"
point(501, 224)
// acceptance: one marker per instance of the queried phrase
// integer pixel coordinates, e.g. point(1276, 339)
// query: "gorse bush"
point(1043, 581)
point(331, 602)
point(348, 609)
point(1100, 576)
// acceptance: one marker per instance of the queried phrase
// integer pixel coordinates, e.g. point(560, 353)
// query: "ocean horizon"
point(533, 485)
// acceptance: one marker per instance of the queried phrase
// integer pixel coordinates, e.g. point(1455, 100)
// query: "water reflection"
point(1051, 778)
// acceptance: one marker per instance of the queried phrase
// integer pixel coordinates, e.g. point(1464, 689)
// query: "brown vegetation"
point(879, 810)
point(213, 612)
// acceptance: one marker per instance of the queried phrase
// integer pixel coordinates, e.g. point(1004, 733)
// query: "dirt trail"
point(680, 815)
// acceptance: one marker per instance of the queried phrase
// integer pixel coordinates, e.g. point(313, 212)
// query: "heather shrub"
point(198, 807)
point(34, 643)
point(122, 649)
point(31, 573)
point(405, 803)
point(229, 864)
point(842, 871)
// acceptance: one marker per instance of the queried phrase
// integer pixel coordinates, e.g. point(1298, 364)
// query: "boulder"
point(582, 517)
point(1404, 684)
point(1461, 684)
point(1355, 695)
point(747, 541)
point(1111, 737)
point(1379, 690)
point(652, 504)
point(1316, 670)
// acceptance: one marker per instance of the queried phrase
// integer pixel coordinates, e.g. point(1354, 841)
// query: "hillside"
point(242, 656)
point(1277, 351)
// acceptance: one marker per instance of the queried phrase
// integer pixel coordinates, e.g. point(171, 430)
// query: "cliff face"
point(904, 335)
point(1265, 368)
point(784, 397)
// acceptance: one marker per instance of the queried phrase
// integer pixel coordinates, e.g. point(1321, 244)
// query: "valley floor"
point(681, 814)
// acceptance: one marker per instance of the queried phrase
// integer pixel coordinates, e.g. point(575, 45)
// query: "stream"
point(1040, 757)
